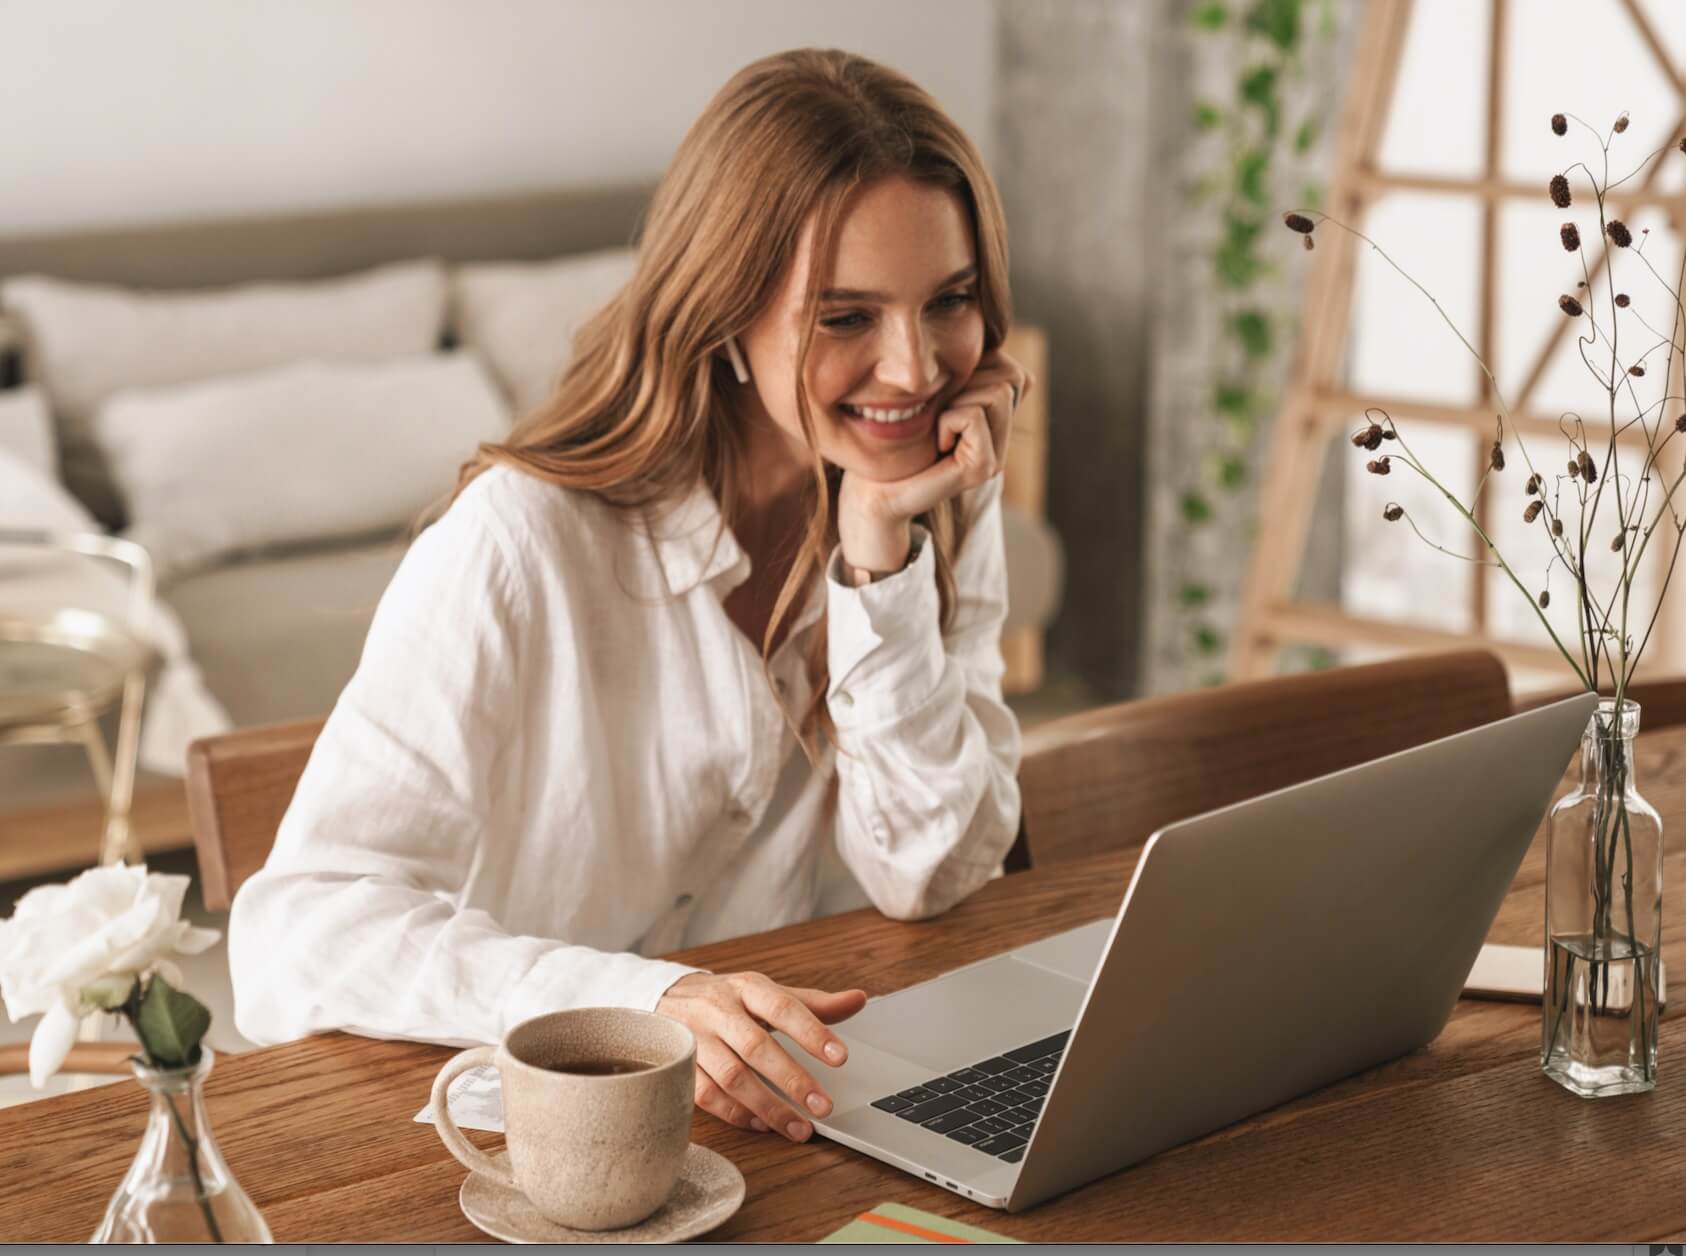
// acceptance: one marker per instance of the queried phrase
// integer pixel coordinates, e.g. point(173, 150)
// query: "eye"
point(847, 322)
point(956, 300)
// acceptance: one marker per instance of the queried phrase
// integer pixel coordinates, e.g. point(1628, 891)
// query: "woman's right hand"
point(732, 1015)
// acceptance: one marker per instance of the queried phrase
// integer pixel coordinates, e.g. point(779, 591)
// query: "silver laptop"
point(1261, 951)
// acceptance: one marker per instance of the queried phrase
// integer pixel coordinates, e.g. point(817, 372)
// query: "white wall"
point(123, 111)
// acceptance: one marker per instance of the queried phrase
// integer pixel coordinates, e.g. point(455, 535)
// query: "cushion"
point(306, 452)
point(85, 342)
point(26, 429)
point(278, 636)
point(522, 316)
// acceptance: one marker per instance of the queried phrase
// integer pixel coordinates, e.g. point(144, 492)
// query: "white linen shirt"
point(559, 757)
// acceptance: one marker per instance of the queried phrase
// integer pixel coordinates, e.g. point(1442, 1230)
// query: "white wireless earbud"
point(739, 368)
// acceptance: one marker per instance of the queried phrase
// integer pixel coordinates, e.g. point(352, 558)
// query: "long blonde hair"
point(647, 407)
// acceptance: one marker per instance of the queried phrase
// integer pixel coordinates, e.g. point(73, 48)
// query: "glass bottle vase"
point(1603, 920)
point(178, 1188)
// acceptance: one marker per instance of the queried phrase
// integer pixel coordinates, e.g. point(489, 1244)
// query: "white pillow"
point(84, 342)
point(313, 450)
point(26, 430)
point(522, 316)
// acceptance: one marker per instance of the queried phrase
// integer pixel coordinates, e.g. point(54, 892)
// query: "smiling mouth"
point(886, 416)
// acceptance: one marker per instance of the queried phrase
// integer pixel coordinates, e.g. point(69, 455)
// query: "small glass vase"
point(1603, 920)
point(178, 1189)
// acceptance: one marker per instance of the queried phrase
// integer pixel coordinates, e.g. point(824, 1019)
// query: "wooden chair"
point(1662, 703)
point(1106, 779)
point(238, 788)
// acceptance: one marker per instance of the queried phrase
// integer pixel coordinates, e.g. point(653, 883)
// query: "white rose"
point(69, 950)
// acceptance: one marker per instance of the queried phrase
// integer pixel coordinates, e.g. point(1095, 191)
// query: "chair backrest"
point(1107, 779)
point(1662, 703)
point(238, 788)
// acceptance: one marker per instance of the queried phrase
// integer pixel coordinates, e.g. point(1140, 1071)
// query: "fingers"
point(723, 1060)
point(831, 1007)
point(710, 1098)
point(783, 1008)
point(969, 433)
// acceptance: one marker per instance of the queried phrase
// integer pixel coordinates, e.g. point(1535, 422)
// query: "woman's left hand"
point(874, 517)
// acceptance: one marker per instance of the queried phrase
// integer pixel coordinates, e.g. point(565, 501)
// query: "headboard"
point(215, 252)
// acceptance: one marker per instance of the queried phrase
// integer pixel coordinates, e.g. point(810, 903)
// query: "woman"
point(710, 644)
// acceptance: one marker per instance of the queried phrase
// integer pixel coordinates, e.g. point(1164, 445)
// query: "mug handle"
point(471, 1156)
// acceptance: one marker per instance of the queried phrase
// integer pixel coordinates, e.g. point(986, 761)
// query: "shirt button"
point(682, 902)
point(843, 698)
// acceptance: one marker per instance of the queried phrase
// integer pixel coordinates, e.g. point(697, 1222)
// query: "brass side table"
point(61, 669)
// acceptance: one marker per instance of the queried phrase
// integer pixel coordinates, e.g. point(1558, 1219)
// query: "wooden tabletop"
point(1464, 1140)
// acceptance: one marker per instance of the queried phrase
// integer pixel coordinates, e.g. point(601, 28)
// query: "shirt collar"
point(693, 543)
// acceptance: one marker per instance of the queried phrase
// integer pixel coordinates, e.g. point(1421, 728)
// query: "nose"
point(908, 358)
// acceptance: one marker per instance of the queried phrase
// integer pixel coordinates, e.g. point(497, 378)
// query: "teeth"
point(884, 416)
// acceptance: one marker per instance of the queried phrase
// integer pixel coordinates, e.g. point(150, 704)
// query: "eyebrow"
point(857, 294)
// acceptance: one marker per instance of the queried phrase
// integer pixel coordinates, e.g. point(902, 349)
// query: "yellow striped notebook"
point(897, 1223)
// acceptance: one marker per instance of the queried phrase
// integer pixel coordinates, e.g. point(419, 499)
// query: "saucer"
point(709, 1190)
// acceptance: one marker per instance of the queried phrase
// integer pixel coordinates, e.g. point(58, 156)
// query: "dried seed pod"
point(1569, 306)
point(1680, 424)
point(1389, 434)
point(1309, 243)
point(1545, 598)
point(1589, 472)
point(1533, 485)
point(1683, 144)
point(1574, 467)
point(1393, 512)
point(1636, 370)
point(1620, 124)
point(1559, 191)
point(1571, 237)
point(1622, 300)
point(1298, 222)
point(1619, 235)
point(1557, 527)
point(1621, 539)
point(1369, 438)
point(1560, 124)
point(1496, 459)
point(1379, 466)
point(1533, 512)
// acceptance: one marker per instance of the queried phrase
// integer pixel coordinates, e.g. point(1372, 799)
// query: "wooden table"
point(1463, 1140)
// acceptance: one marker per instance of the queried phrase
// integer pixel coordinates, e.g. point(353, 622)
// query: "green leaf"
point(1311, 196)
point(1233, 399)
point(1206, 115)
point(1232, 471)
point(1306, 136)
point(1210, 17)
point(171, 1024)
point(1194, 595)
point(1237, 263)
point(1207, 639)
point(1196, 509)
point(1278, 21)
point(1250, 172)
point(1258, 88)
point(1211, 680)
point(1253, 329)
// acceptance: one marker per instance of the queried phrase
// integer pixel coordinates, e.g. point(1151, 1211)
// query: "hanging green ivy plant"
point(1259, 148)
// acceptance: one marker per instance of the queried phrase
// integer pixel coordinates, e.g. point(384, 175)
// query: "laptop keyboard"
point(992, 1106)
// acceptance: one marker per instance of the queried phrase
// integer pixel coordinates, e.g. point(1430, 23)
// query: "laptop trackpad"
point(970, 1014)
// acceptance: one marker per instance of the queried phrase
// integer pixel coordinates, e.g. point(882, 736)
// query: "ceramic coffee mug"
point(597, 1148)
